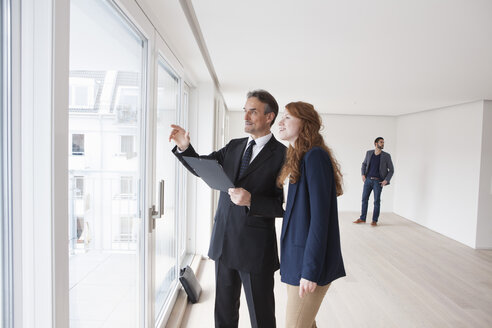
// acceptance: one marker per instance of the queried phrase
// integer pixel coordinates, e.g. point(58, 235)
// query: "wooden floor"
point(399, 274)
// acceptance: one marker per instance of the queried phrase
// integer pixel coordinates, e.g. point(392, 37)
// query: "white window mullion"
point(6, 224)
point(59, 155)
point(40, 204)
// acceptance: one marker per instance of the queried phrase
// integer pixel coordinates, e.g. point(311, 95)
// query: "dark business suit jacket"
point(310, 240)
point(244, 239)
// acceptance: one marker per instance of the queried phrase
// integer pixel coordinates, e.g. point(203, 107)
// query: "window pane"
point(106, 96)
point(166, 237)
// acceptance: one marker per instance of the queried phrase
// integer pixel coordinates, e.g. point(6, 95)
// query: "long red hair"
point(309, 137)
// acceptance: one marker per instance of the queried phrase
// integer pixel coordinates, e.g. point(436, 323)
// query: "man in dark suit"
point(243, 243)
point(377, 170)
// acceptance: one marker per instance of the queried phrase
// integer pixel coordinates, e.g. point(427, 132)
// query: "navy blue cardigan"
point(310, 240)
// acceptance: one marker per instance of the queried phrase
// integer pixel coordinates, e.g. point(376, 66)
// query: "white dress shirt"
point(260, 143)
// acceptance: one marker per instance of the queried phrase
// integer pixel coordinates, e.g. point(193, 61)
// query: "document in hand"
point(211, 172)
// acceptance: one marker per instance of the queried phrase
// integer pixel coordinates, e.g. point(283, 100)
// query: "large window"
point(106, 96)
point(124, 258)
point(112, 100)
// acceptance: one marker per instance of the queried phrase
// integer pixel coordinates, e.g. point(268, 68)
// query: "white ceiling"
point(379, 57)
point(169, 19)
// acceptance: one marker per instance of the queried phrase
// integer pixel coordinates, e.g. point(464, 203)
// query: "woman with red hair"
point(310, 242)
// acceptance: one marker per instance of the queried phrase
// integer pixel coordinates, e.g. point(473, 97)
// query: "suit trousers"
point(258, 289)
point(301, 312)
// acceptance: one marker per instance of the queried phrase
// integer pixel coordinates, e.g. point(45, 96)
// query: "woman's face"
point(289, 127)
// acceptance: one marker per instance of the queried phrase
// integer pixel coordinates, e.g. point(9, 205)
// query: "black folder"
point(211, 172)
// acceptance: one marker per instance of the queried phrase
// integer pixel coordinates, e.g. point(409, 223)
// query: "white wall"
point(438, 167)
point(349, 136)
point(235, 128)
point(442, 158)
point(484, 220)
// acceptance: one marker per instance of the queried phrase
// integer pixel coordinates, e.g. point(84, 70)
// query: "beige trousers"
point(301, 312)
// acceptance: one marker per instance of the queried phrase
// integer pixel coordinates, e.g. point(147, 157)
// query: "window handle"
point(152, 217)
point(161, 198)
point(153, 213)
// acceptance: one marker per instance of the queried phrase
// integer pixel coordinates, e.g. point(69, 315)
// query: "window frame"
point(6, 192)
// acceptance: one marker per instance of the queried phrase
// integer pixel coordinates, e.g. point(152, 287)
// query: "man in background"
point(377, 170)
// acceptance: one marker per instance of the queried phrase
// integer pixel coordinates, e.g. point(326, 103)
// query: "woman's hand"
point(306, 286)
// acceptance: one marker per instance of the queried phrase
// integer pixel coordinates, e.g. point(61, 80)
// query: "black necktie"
point(246, 158)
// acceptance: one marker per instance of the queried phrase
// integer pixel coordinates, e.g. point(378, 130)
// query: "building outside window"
point(127, 100)
point(79, 187)
point(82, 93)
point(126, 228)
point(78, 144)
point(126, 187)
point(127, 146)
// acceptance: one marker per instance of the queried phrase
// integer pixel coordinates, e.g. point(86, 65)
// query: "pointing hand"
point(180, 137)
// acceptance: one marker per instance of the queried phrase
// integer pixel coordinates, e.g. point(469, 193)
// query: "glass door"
point(107, 133)
point(164, 221)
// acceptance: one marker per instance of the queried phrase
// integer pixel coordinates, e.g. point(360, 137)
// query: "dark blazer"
point(245, 239)
point(386, 168)
point(310, 240)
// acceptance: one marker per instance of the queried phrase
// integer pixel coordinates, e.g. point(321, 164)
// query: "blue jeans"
point(370, 185)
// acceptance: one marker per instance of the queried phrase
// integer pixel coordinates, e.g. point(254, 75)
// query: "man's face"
point(256, 122)
point(380, 144)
